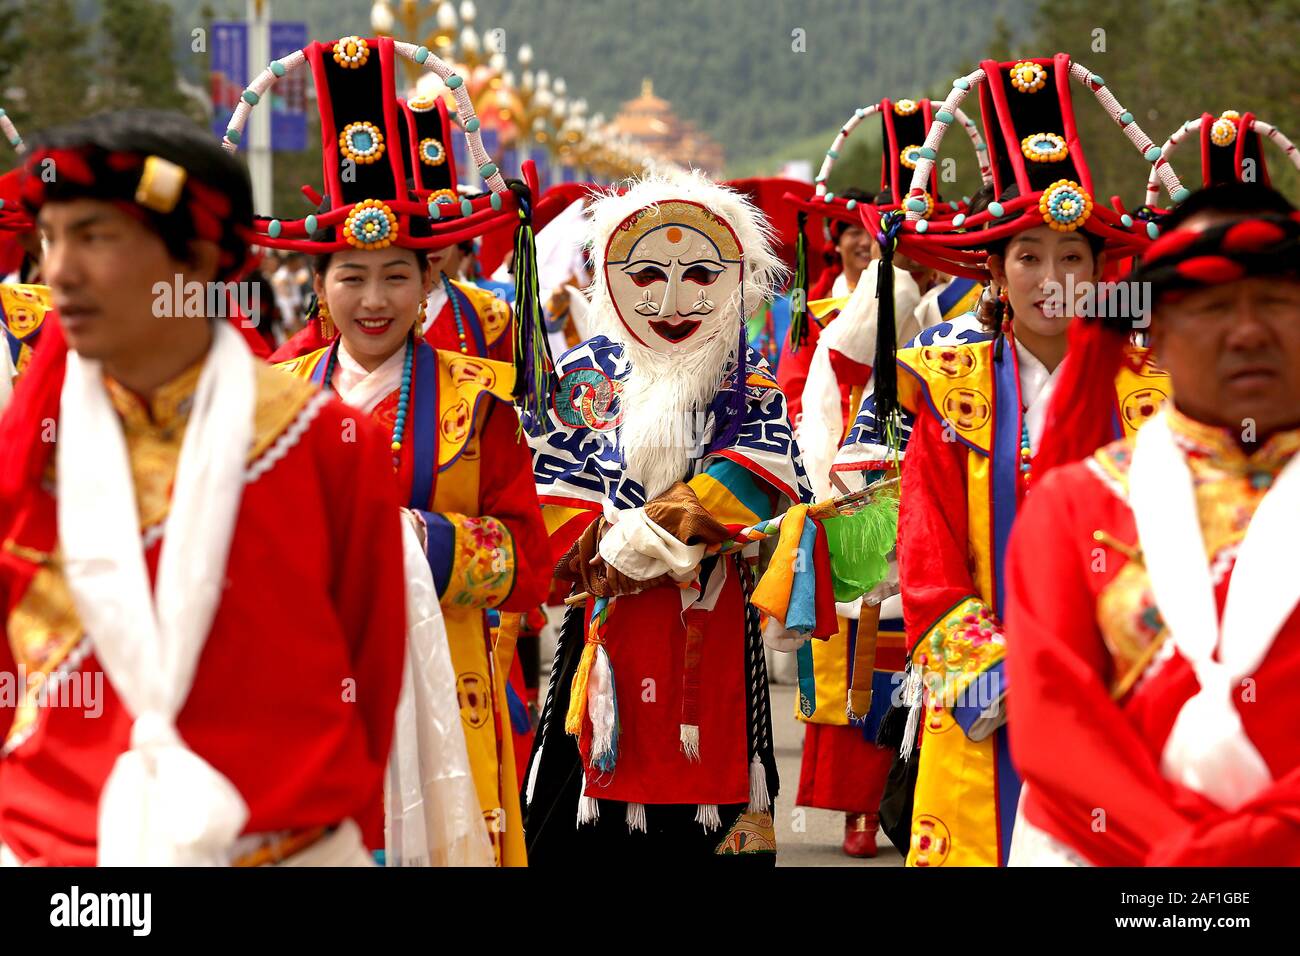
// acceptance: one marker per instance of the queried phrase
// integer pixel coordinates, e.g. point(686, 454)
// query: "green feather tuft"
point(860, 544)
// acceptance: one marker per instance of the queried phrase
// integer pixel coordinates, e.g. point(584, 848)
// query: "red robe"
point(465, 469)
point(1096, 694)
point(792, 371)
point(313, 606)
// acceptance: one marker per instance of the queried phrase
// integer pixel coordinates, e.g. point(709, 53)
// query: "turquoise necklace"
point(1026, 452)
point(403, 397)
point(455, 311)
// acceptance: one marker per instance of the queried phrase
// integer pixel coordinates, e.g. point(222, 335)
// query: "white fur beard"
point(665, 400)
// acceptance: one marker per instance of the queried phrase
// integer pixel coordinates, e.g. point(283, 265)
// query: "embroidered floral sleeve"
point(472, 559)
point(962, 658)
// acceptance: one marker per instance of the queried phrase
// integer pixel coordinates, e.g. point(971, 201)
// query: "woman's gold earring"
point(323, 317)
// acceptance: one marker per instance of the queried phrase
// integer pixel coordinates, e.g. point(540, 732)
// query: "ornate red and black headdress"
point(425, 124)
point(389, 175)
point(905, 126)
point(1232, 149)
point(1034, 146)
point(371, 190)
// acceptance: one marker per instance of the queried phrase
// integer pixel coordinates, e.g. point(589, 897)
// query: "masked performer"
point(665, 434)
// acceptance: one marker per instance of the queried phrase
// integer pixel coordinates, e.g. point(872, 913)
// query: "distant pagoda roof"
point(650, 120)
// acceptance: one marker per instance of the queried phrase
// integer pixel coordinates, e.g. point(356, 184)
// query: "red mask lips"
point(676, 333)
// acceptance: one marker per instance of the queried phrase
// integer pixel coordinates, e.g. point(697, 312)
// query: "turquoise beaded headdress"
point(1232, 149)
point(1033, 145)
point(373, 193)
point(905, 123)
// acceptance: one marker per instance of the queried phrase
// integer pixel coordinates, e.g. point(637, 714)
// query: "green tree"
point(50, 75)
point(138, 64)
point(11, 45)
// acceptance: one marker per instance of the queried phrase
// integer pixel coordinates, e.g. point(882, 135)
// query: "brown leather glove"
point(583, 565)
point(679, 512)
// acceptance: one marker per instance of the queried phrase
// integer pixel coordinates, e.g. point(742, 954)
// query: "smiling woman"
point(374, 297)
point(473, 526)
point(992, 417)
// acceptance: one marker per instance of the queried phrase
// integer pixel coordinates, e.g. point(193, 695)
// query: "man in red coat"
point(201, 578)
point(1153, 634)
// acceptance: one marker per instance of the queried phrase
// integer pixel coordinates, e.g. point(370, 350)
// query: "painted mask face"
point(673, 272)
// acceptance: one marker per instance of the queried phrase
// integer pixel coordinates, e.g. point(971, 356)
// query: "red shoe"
point(860, 834)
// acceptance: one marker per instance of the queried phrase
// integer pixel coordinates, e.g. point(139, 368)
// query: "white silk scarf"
point(1208, 749)
point(163, 804)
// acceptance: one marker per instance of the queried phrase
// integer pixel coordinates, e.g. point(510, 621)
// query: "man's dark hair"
point(1232, 197)
point(170, 136)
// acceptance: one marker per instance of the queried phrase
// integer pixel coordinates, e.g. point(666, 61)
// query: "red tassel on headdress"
point(1081, 416)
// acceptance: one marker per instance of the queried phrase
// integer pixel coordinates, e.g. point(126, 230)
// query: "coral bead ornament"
point(1223, 132)
point(1065, 205)
point(909, 156)
point(432, 152)
point(905, 107)
point(1044, 148)
point(351, 52)
point(370, 225)
point(362, 142)
point(1028, 77)
point(421, 103)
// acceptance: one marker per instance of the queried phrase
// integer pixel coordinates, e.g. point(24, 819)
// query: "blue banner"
point(460, 149)
point(228, 73)
point(231, 70)
point(289, 95)
point(510, 163)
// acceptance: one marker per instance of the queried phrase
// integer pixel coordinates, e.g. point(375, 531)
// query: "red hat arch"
point(1227, 142)
point(363, 121)
point(1033, 144)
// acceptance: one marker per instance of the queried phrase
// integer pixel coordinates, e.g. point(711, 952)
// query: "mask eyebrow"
point(646, 262)
point(706, 261)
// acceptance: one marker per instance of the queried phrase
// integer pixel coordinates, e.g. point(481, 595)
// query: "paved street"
point(806, 837)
